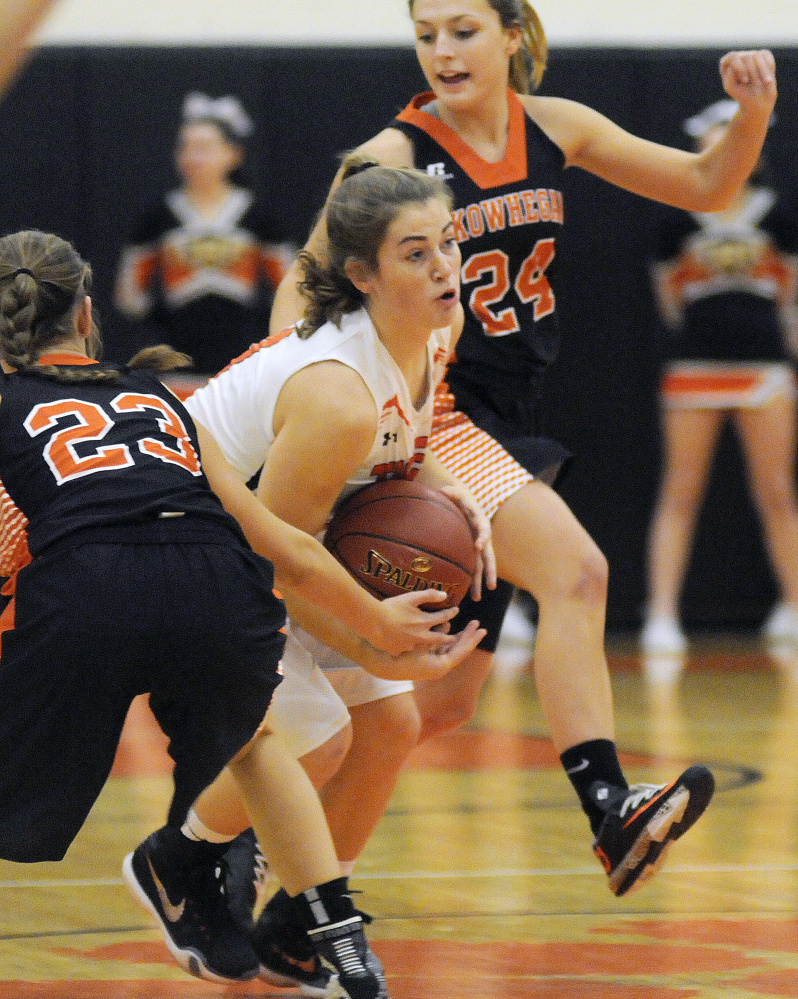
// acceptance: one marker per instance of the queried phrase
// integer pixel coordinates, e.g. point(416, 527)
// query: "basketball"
point(398, 536)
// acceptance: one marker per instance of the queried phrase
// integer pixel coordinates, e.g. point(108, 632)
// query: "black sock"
point(326, 903)
point(336, 931)
point(588, 762)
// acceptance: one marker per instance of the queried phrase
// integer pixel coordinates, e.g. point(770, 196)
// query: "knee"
point(456, 709)
point(583, 578)
point(680, 494)
point(389, 726)
point(775, 498)
point(450, 702)
point(321, 763)
point(594, 579)
point(404, 723)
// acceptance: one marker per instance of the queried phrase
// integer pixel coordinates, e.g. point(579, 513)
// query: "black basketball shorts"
point(196, 625)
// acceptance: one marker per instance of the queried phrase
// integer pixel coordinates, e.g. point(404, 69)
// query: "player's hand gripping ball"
point(397, 536)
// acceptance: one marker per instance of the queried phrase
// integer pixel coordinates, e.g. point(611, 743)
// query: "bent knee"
point(451, 712)
point(321, 763)
point(389, 724)
point(582, 578)
point(591, 585)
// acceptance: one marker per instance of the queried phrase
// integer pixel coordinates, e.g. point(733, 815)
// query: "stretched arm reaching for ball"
point(428, 663)
point(303, 565)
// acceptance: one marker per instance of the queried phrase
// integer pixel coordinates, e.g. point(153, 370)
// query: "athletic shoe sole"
point(649, 851)
point(284, 982)
point(189, 959)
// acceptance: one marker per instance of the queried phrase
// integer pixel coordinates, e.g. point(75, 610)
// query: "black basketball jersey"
point(94, 455)
point(508, 217)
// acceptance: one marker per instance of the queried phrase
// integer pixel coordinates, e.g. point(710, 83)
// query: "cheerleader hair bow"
point(200, 107)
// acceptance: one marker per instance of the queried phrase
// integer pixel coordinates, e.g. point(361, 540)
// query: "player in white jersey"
point(239, 406)
point(344, 401)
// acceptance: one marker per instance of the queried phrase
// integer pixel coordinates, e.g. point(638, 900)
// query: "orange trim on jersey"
point(675, 383)
point(508, 170)
point(268, 342)
point(76, 359)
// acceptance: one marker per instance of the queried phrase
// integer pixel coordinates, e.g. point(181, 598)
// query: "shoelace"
point(260, 870)
point(638, 793)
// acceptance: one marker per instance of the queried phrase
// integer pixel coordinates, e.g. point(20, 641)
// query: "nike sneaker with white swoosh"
point(642, 821)
point(180, 882)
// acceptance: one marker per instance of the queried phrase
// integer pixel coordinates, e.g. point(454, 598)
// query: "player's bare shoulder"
point(567, 123)
point(330, 394)
point(390, 147)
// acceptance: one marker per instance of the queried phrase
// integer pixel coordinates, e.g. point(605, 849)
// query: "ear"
point(514, 39)
point(83, 318)
point(358, 273)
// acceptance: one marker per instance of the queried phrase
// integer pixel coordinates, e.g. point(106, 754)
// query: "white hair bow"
point(200, 107)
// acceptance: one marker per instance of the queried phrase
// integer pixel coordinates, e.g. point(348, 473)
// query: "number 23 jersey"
point(92, 454)
point(508, 216)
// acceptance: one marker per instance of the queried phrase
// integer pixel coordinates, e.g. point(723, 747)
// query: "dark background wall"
point(87, 139)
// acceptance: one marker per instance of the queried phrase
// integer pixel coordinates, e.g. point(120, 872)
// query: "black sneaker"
point(244, 874)
point(373, 963)
point(343, 950)
point(287, 957)
point(642, 822)
point(186, 896)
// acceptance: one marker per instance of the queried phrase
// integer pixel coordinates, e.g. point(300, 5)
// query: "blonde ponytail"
point(528, 65)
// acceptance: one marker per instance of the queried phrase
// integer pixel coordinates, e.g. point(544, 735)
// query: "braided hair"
point(43, 284)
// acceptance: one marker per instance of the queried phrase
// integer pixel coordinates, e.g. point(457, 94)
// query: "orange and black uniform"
point(207, 283)
point(729, 273)
point(139, 582)
point(508, 218)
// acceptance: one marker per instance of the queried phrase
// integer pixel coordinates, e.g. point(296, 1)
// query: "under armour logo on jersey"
point(439, 170)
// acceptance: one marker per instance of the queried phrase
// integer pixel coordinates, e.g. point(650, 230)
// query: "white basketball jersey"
point(237, 406)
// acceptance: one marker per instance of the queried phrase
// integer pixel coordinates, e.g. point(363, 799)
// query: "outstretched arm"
point(428, 663)
point(390, 148)
point(304, 566)
point(703, 181)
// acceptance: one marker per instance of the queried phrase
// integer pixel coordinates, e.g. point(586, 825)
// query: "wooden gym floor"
point(481, 876)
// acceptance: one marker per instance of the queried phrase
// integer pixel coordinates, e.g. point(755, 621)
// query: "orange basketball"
point(397, 536)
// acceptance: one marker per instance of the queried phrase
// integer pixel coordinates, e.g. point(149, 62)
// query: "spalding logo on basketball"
point(397, 536)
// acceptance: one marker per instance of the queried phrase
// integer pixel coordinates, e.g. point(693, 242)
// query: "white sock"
point(193, 828)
